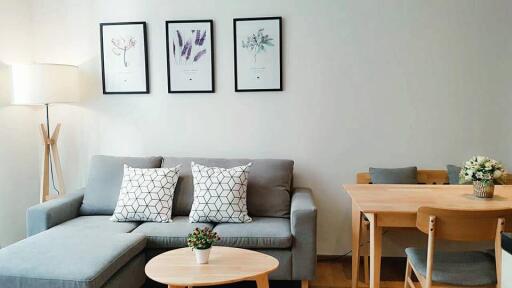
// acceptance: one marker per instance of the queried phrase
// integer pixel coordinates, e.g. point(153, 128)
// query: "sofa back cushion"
point(105, 178)
point(268, 189)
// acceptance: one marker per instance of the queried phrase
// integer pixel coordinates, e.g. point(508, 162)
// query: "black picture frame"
point(167, 47)
point(146, 58)
point(235, 21)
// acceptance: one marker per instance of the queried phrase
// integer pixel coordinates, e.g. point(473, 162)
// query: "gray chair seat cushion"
point(407, 175)
point(168, 235)
point(65, 258)
point(98, 223)
point(472, 268)
point(261, 233)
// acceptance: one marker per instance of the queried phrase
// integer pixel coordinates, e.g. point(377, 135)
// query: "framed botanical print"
point(258, 65)
point(190, 56)
point(124, 58)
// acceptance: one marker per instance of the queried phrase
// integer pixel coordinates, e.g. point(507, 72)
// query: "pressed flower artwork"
point(121, 46)
point(190, 56)
point(124, 60)
point(258, 54)
point(256, 42)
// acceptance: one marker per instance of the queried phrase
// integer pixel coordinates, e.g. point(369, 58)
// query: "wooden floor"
point(333, 273)
point(337, 273)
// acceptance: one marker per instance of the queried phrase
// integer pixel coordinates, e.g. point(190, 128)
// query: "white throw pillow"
point(146, 194)
point(220, 195)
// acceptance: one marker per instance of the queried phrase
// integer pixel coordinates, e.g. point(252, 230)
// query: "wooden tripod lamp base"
point(50, 146)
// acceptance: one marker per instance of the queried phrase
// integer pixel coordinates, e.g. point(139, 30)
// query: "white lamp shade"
point(36, 84)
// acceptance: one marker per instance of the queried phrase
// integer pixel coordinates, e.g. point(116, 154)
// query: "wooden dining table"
point(395, 206)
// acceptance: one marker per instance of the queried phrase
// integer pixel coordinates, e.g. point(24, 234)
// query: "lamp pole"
point(47, 119)
point(52, 147)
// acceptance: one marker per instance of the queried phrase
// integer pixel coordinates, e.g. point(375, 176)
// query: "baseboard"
point(336, 257)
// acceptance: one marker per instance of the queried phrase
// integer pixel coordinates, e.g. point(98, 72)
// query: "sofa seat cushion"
point(98, 223)
point(67, 258)
point(261, 233)
point(168, 235)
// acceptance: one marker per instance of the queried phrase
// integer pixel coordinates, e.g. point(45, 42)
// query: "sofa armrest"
point(44, 216)
point(303, 227)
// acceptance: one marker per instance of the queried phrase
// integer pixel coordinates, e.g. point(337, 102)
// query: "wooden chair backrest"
point(432, 177)
point(462, 225)
point(508, 179)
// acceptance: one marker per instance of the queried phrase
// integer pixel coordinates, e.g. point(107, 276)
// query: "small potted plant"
point(201, 241)
point(483, 172)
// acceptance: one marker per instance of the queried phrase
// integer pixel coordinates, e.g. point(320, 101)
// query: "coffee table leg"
point(262, 281)
point(174, 286)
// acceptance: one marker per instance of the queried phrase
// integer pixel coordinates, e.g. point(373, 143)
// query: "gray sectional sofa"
point(72, 243)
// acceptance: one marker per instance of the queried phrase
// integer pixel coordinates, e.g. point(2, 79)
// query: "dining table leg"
point(356, 235)
point(375, 250)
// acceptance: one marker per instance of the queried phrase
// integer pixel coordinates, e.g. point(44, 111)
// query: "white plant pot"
point(202, 255)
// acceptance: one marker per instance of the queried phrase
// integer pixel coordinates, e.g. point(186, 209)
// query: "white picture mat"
point(265, 72)
point(187, 75)
point(118, 77)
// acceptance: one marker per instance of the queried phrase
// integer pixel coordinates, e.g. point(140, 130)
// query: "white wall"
point(367, 83)
point(505, 98)
point(19, 148)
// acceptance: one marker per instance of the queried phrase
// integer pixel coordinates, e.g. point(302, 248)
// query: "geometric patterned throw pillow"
point(146, 194)
point(220, 195)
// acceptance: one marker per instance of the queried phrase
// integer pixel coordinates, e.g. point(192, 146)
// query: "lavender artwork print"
point(190, 56)
point(194, 45)
point(257, 54)
point(124, 58)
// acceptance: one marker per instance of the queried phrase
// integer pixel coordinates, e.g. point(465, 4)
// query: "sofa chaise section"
point(69, 258)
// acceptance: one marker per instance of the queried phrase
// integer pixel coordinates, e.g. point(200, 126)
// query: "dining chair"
point(430, 177)
point(456, 269)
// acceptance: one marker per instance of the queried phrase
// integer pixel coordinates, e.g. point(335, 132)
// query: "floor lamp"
point(45, 84)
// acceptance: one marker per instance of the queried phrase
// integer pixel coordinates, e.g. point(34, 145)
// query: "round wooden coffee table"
point(178, 268)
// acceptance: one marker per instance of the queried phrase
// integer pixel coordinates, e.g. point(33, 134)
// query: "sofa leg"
point(304, 284)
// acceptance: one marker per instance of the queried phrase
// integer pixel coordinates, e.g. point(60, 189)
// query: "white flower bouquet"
point(483, 169)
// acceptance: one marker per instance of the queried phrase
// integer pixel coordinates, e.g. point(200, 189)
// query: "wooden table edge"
point(231, 281)
point(250, 278)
